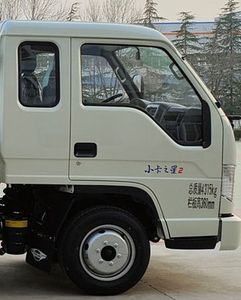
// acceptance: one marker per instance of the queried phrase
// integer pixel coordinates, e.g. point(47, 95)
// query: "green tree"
point(225, 58)
point(150, 14)
point(186, 41)
point(212, 70)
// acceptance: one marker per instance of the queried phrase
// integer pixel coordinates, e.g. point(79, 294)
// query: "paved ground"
point(171, 275)
point(179, 275)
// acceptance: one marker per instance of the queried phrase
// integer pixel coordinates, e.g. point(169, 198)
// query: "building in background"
point(201, 29)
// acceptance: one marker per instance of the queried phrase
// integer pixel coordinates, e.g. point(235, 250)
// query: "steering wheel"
point(107, 100)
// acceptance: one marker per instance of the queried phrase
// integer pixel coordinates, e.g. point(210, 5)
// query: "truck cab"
point(108, 140)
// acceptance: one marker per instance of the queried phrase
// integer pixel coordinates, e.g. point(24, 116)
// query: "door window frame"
point(205, 109)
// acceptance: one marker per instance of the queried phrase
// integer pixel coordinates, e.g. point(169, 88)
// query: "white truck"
point(108, 140)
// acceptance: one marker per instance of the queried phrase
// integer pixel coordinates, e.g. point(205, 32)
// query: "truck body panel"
point(108, 137)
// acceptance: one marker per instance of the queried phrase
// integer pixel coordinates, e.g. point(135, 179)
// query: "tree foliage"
point(93, 12)
point(43, 10)
point(228, 27)
point(120, 11)
point(185, 40)
point(10, 9)
point(74, 12)
point(150, 14)
point(218, 58)
point(224, 58)
point(111, 11)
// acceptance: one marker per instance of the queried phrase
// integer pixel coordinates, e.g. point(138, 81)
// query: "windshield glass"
point(162, 79)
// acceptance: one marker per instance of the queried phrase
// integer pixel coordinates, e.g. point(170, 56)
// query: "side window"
point(145, 78)
point(100, 84)
point(38, 74)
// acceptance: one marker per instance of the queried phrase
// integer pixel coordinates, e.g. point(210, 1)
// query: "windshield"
point(162, 79)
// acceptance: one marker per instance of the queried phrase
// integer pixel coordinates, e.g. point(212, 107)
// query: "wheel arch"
point(134, 200)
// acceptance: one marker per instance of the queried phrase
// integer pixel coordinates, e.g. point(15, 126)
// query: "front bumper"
point(230, 233)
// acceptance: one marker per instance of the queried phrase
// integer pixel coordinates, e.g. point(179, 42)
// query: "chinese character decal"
point(202, 195)
point(164, 169)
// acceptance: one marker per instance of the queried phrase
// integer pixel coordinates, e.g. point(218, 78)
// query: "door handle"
point(85, 150)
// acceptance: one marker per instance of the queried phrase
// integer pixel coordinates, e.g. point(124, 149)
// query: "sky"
point(202, 9)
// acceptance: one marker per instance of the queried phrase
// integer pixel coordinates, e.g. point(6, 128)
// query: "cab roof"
point(78, 29)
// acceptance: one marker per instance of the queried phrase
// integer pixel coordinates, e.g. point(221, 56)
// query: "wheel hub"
point(107, 252)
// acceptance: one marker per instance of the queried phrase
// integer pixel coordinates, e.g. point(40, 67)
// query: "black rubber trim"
point(206, 124)
point(226, 215)
point(192, 243)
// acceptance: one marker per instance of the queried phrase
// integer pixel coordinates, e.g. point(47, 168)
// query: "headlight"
point(228, 181)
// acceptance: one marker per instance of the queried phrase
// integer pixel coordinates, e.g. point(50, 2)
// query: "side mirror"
point(176, 71)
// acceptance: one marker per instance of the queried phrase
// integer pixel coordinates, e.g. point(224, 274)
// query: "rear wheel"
point(105, 251)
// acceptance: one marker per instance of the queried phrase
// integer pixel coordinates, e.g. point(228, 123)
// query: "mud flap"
point(41, 253)
point(50, 211)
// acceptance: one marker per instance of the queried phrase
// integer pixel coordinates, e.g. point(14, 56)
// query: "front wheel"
point(105, 251)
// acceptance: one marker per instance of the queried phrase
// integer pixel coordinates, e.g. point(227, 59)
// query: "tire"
point(105, 251)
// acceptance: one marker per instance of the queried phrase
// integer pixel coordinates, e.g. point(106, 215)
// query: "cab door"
point(139, 117)
point(35, 109)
